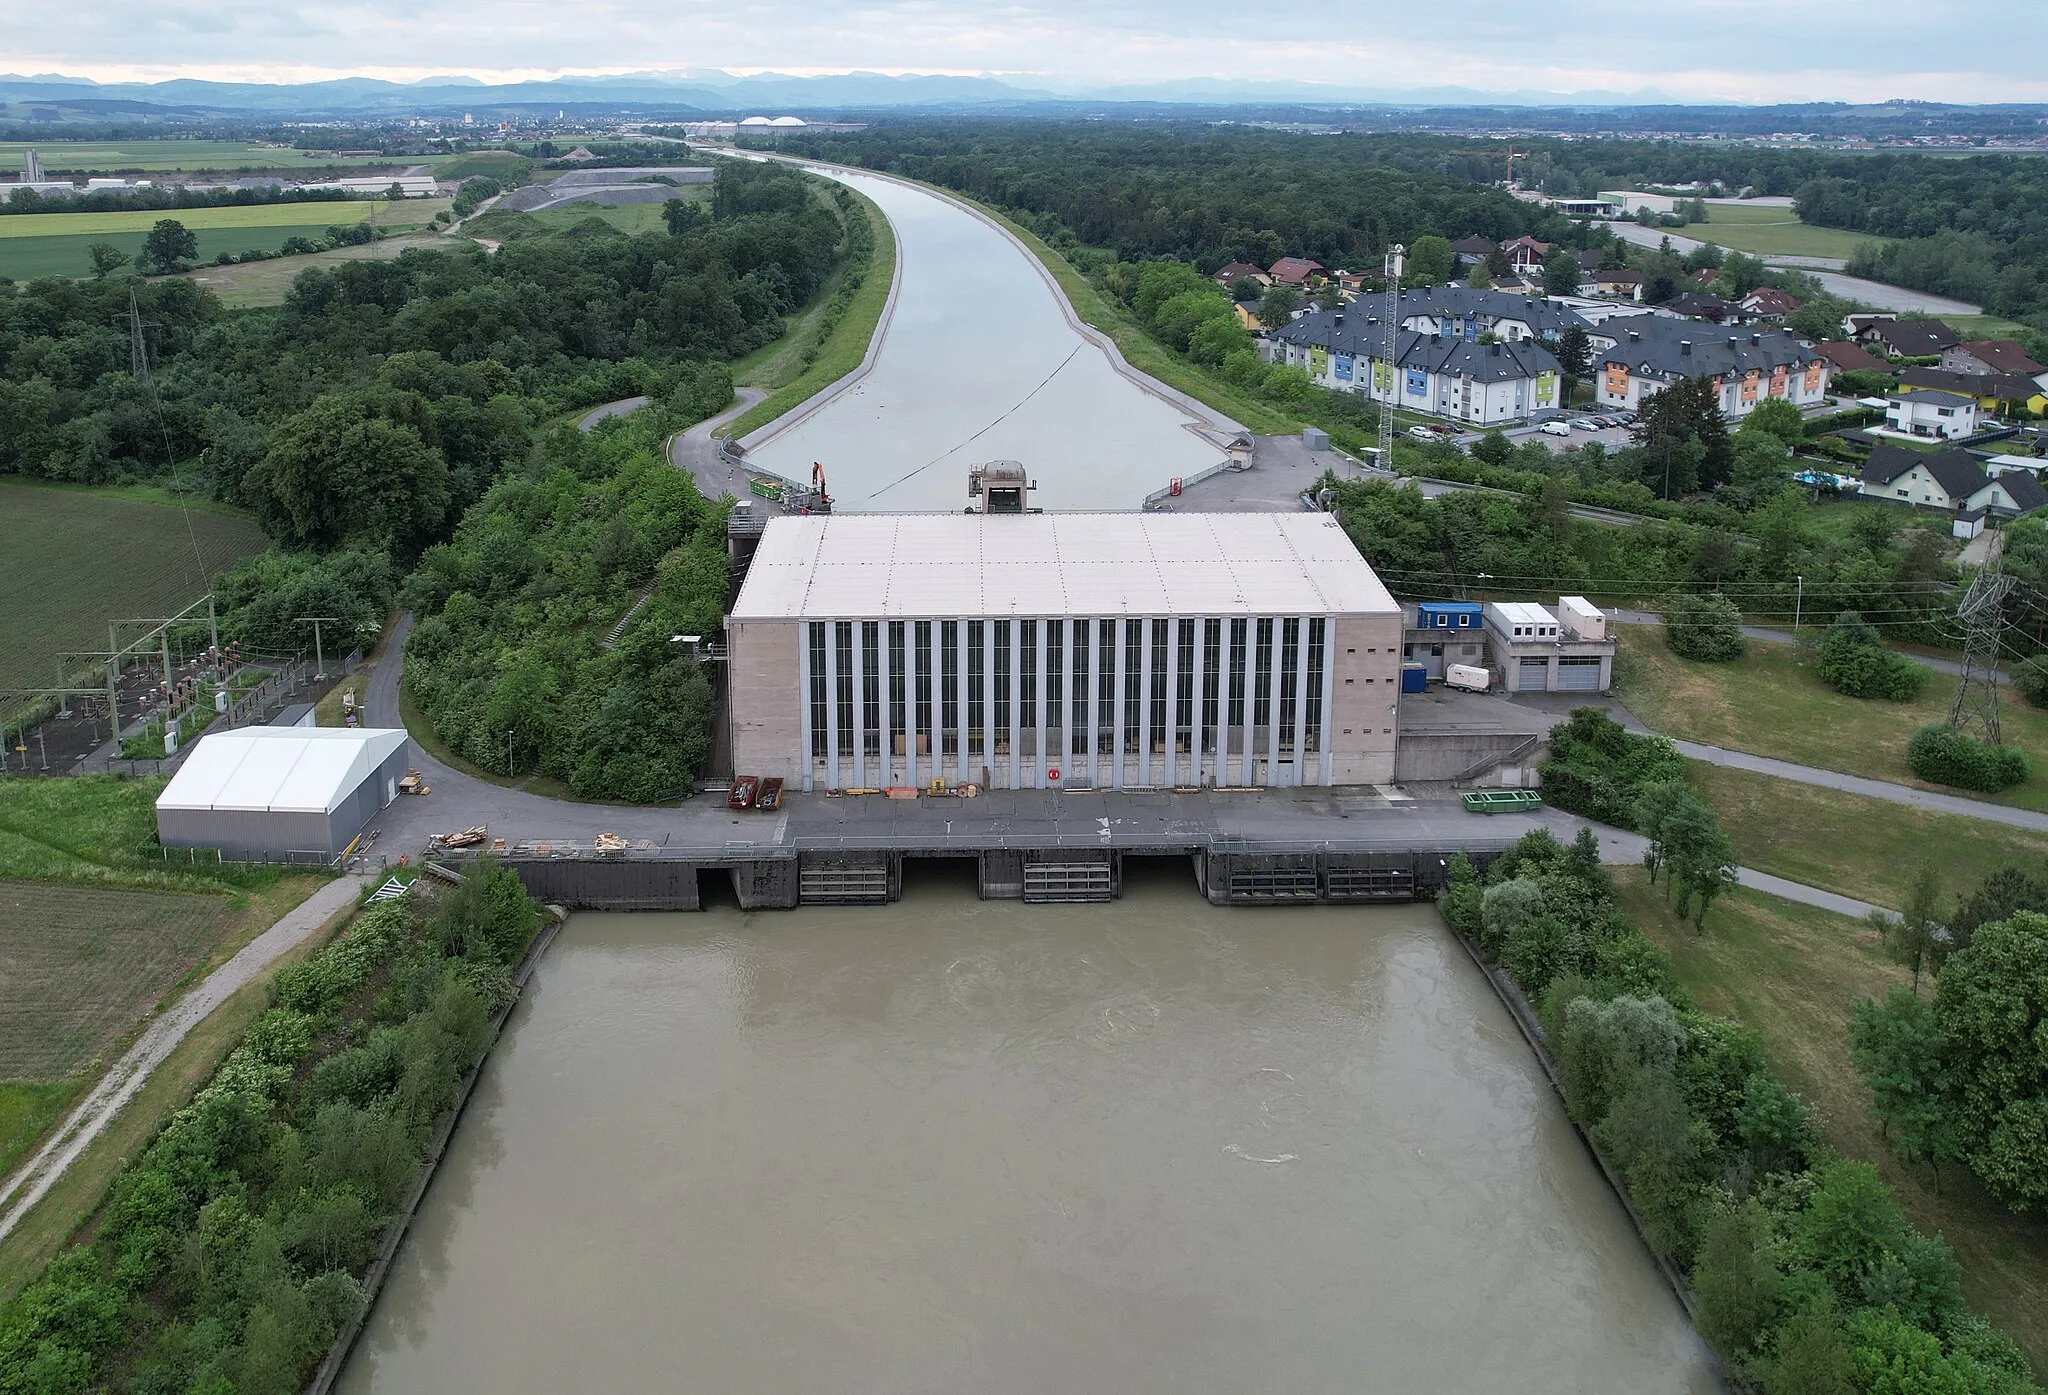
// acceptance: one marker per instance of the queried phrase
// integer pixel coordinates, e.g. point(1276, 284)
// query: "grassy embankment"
point(96, 555)
point(780, 367)
point(99, 935)
point(1767, 704)
point(1793, 974)
point(56, 244)
point(501, 225)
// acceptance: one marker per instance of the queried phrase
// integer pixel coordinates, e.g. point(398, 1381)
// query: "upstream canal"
point(978, 362)
point(954, 1145)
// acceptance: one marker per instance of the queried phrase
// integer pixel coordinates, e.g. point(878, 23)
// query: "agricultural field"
point(631, 218)
point(82, 557)
point(56, 244)
point(249, 284)
point(1772, 230)
point(228, 156)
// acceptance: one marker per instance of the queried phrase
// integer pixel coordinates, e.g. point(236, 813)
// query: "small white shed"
point(276, 792)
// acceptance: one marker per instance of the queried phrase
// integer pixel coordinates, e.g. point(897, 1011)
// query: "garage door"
point(1534, 676)
point(1578, 675)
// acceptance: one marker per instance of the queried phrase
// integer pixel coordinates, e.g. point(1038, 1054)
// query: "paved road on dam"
point(980, 359)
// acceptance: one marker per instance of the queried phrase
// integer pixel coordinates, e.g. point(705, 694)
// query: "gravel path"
point(119, 1085)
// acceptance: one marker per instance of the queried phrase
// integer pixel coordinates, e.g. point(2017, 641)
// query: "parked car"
point(1586, 424)
point(1555, 428)
point(1421, 433)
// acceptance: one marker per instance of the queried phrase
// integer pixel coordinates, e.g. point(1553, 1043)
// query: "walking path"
point(1870, 789)
point(1765, 635)
point(697, 451)
point(119, 1085)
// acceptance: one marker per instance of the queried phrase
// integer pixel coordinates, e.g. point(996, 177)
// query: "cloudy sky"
point(1704, 50)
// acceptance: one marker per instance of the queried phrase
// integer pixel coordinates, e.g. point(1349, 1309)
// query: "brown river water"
point(965, 1146)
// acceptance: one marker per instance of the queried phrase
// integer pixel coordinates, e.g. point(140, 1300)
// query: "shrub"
point(1853, 661)
point(1703, 626)
point(1598, 768)
point(2031, 678)
point(1945, 756)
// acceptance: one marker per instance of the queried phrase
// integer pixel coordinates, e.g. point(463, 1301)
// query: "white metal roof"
point(939, 565)
point(285, 770)
point(1524, 613)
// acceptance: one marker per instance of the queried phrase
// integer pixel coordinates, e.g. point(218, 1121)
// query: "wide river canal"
point(977, 363)
point(954, 1145)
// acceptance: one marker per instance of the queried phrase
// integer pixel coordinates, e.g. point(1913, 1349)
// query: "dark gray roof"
point(2007, 387)
point(2026, 491)
point(1364, 336)
point(1939, 399)
point(1689, 348)
point(1956, 471)
point(1914, 337)
point(1463, 302)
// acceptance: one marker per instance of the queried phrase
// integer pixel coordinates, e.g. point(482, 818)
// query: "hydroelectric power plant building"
point(1110, 650)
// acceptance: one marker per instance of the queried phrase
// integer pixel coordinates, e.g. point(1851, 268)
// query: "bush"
point(1853, 661)
point(1599, 768)
point(1945, 756)
point(1703, 626)
point(2031, 678)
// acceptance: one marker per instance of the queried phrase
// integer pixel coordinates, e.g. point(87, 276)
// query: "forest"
point(386, 401)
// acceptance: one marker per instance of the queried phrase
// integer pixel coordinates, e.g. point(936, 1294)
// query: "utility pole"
point(1397, 257)
point(1798, 603)
point(1976, 700)
point(319, 654)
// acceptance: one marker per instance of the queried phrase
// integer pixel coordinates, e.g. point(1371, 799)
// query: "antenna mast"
point(1397, 257)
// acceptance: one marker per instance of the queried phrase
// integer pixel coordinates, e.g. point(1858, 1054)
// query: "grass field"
point(85, 963)
point(1770, 230)
point(1767, 704)
point(500, 226)
point(248, 284)
point(109, 157)
point(1851, 844)
point(58, 244)
point(95, 556)
point(1793, 974)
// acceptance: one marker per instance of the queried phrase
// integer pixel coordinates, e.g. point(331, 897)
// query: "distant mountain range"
point(715, 91)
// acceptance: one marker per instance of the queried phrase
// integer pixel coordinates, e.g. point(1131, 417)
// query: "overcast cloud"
point(1700, 50)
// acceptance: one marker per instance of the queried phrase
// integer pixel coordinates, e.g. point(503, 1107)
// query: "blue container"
point(1414, 678)
point(1448, 615)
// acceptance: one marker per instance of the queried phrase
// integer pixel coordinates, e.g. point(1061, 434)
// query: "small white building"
point(294, 793)
point(1535, 651)
point(1939, 415)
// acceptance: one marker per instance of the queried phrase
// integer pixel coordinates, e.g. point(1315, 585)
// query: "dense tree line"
point(510, 660)
point(165, 196)
point(1808, 1277)
point(230, 1252)
point(1201, 194)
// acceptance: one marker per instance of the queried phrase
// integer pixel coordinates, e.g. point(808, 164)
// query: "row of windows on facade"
point(855, 692)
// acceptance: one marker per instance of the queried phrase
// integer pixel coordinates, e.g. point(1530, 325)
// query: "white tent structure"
point(278, 792)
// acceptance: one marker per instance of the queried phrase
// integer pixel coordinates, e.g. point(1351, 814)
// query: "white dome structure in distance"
point(755, 121)
point(789, 121)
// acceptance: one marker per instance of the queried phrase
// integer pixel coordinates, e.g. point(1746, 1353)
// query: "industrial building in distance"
point(1146, 650)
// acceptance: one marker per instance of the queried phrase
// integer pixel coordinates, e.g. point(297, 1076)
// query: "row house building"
point(1638, 356)
point(1436, 374)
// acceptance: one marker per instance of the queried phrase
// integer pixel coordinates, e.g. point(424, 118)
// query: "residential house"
point(1993, 356)
point(1247, 312)
point(1435, 374)
point(1294, 271)
point(1639, 356)
point(1526, 254)
point(1232, 273)
point(1351, 282)
point(1938, 415)
point(1767, 303)
point(1953, 481)
point(1466, 313)
point(1622, 284)
point(1907, 338)
point(1470, 251)
point(1854, 325)
point(1698, 305)
point(1991, 390)
point(1845, 357)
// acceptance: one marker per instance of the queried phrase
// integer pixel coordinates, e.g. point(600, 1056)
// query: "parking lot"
point(1611, 436)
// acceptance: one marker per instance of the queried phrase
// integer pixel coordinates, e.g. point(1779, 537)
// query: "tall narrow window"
point(1184, 686)
point(871, 687)
point(949, 687)
point(1290, 666)
point(1312, 691)
point(842, 641)
point(1055, 685)
point(921, 641)
point(1079, 726)
point(1027, 675)
point(999, 719)
point(1158, 693)
point(899, 690)
point(1235, 716)
point(1105, 686)
point(1262, 677)
point(977, 733)
point(818, 696)
point(1134, 673)
point(1212, 679)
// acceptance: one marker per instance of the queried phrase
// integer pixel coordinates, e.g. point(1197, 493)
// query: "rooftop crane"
point(1512, 154)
